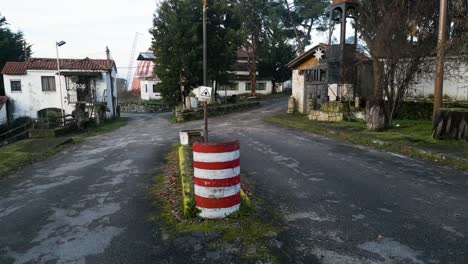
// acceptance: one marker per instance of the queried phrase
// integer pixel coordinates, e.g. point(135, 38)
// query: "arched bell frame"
point(342, 42)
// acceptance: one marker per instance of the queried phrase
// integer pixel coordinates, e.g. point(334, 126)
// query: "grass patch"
point(409, 137)
point(27, 151)
point(96, 130)
point(250, 230)
point(172, 119)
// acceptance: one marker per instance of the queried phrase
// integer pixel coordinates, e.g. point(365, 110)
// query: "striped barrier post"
point(217, 178)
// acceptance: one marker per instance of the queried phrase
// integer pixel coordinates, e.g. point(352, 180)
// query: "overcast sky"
point(88, 26)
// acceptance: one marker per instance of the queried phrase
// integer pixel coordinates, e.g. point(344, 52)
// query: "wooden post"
point(205, 72)
point(439, 81)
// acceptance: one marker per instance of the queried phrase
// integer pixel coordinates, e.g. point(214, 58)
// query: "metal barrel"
point(217, 178)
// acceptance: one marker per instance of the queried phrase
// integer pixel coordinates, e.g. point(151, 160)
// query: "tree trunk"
point(254, 67)
point(377, 117)
point(450, 124)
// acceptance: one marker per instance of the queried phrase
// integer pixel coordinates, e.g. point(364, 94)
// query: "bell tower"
point(342, 44)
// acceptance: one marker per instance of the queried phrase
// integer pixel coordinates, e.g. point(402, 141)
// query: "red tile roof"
point(87, 64)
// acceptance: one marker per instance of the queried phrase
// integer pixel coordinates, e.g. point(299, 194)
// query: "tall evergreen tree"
point(254, 28)
point(13, 47)
point(276, 51)
point(302, 17)
point(178, 43)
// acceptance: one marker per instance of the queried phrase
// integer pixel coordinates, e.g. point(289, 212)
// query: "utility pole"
point(205, 72)
point(25, 50)
point(57, 45)
point(439, 81)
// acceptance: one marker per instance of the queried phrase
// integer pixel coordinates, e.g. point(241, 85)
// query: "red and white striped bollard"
point(217, 178)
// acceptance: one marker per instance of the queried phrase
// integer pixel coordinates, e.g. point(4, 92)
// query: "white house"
point(3, 113)
point(35, 87)
point(240, 84)
point(455, 81)
point(145, 79)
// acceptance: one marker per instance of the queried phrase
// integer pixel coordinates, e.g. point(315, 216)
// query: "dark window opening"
point(48, 83)
point(15, 86)
point(260, 87)
point(156, 88)
point(316, 76)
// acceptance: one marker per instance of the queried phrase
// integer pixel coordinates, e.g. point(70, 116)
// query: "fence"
point(15, 134)
point(22, 131)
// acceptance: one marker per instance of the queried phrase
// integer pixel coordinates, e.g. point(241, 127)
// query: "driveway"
point(341, 203)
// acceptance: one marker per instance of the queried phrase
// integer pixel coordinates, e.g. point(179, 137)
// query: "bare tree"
point(399, 35)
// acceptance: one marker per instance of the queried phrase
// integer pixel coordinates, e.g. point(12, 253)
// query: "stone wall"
point(326, 116)
point(144, 108)
point(196, 114)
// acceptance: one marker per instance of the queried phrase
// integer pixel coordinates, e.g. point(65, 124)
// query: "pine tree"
point(12, 47)
point(178, 43)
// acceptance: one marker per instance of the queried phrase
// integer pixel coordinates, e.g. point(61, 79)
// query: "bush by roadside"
point(142, 106)
point(214, 110)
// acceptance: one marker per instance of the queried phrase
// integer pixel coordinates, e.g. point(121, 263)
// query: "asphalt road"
point(341, 203)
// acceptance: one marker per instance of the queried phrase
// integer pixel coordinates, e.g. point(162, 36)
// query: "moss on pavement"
point(250, 231)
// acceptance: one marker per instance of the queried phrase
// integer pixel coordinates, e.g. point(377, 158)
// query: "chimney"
point(108, 53)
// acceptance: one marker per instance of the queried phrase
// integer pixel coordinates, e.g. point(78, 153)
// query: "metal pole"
point(205, 72)
point(439, 81)
point(60, 84)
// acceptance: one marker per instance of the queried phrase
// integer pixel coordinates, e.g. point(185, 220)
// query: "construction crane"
point(132, 58)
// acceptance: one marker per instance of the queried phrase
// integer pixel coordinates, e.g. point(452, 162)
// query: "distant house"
point(240, 84)
point(33, 87)
point(3, 112)
point(145, 80)
point(455, 81)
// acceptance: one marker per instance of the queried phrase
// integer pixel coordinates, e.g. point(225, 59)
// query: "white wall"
point(454, 86)
point(146, 88)
point(3, 114)
point(241, 85)
point(298, 86)
point(31, 99)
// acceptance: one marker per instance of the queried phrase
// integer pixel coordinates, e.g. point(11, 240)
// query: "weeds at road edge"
point(252, 229)
point(388, 141)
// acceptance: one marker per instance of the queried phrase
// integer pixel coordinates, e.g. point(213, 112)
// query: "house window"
point(15, 86)
point(316, 75)
point(48, 83)
point(146, 88)
point(156, 88)
point(230, 87)
point(260, 86)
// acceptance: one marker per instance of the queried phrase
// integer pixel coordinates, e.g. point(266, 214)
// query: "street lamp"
point(57, 45)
